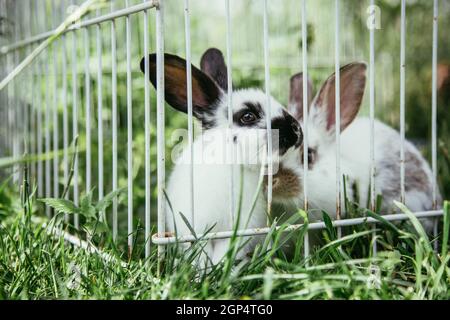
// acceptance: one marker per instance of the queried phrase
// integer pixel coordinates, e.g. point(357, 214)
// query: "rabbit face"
point(250, 112)
point(210, 106)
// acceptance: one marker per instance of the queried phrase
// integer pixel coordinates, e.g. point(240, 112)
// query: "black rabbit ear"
point(213, 64)
point(296, 95)
point(205, 92)
point(352, 85)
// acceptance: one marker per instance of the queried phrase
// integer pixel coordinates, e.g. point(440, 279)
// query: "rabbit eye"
point(312, 155)
point(248, 118)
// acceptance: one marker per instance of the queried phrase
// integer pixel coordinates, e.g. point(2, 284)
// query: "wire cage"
point(57, 119)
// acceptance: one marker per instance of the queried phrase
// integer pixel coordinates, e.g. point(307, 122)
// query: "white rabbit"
point(354, 153)
point(211, 175)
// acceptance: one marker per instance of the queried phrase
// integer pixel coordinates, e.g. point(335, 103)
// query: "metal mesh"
point(71, 74)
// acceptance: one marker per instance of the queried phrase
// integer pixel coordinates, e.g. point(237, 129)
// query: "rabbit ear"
point(213, 64)
point(204, 91)
point(352, 84)
point(296, 95)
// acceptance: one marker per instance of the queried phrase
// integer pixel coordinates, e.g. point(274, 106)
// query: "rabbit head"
point(321, 109)
point(210, 103)
point(321, 123)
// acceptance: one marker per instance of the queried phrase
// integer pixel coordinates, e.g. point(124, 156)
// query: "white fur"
point(211, 182)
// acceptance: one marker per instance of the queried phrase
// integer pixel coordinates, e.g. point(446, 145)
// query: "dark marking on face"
point(249, 116)
point(289, 132)
point(255, 107)
point(235, 139)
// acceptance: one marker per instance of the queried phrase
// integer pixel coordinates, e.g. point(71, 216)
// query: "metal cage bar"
point(147, 139)
point(65, 113)
point(268, 108)
point(337, 113)
point(160, 117)
point(292, 227)
point(30, 146)
point(39, 104)
point(75, 124)
point(88, 111)
point(434, 113)
point(84, 24)
point(129, 132)
point(231, 181)
point(48, 176)
point(372, 123)
point(32, 107)
point(55, 128)
point(10, 107)
point(402, 98)
point(114, 123)
point(100, 115)
point(187, 28)
point(17, 106)
point(305, 116)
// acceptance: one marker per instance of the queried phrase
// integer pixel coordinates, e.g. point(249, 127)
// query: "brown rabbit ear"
point(213, 64)
point(296, 95)
point(205, 92)
point(352, 84)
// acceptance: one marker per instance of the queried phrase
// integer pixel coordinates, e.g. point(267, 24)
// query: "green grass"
point(34, 264)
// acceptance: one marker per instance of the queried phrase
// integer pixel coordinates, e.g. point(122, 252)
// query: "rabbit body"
point(355, 165)
point(211, 178)
point(244, 145)
point(355, 161)
point(211, 194)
